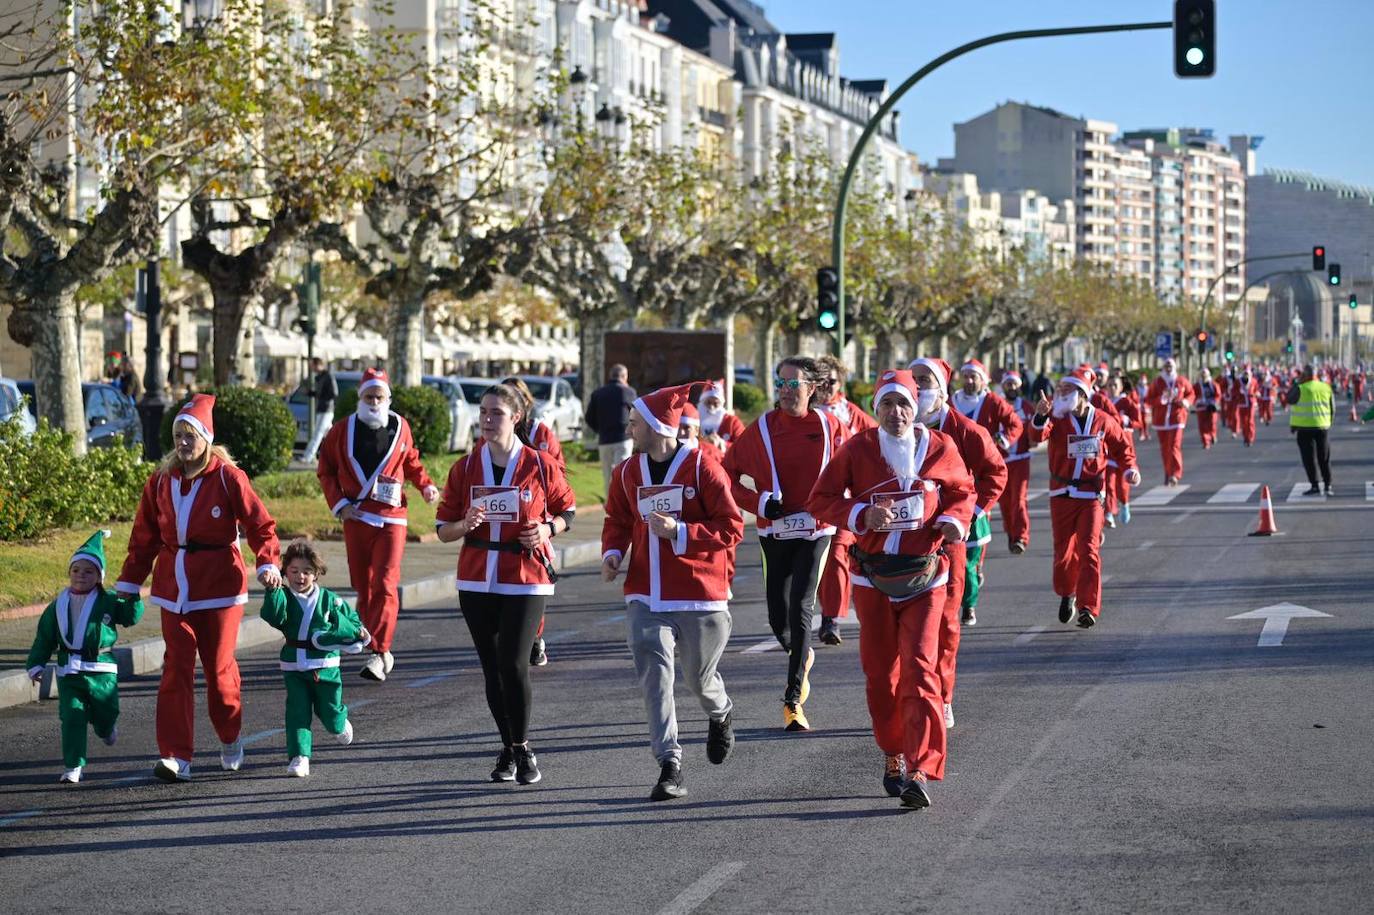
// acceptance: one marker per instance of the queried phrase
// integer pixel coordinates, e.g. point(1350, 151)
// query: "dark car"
point(111, 415)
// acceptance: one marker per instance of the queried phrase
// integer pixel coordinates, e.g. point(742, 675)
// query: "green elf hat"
point(93, 550)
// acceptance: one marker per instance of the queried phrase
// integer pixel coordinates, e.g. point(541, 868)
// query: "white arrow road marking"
point(1276, 619)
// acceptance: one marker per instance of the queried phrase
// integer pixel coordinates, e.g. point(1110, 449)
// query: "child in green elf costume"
point(80, 626)
point(318, 624)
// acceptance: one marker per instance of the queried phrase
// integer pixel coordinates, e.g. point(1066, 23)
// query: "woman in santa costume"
point(1209, 403)
point(365, 462)
point(1118, 503)
point(1169, 400)
point(1082, 439)
point(835, 589)
point(1246, 395)
point(671, 511)
point(186, 532)
point(904, 492)
point(782, 454)
point(1013, 501)
point(719, 426)
point(505, 501)
point(989, 471)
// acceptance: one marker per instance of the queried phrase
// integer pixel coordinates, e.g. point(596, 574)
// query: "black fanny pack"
point(898, 575)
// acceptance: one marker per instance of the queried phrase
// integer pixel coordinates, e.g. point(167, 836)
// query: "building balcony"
point(712, 116)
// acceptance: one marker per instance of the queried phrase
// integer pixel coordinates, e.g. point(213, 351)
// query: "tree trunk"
point(405, 359)
point(227, 319)
point(592, 343)
point(793, 341)
point(883, 357)
point(765, 340)
point(728, 325)
point(56, 357)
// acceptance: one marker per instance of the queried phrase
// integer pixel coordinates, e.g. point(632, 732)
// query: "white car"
point(557, 405)
point(473, 388)
point(12, 407)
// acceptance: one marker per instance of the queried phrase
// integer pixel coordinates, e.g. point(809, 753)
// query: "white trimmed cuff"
point(338, 506)
point(963, 531)
point(268, 566)
point(128, 587)
point(36, 672)
point(855, 514)
point(618, 554)
point(680, 539)
point(763, 502)
point(977, 510)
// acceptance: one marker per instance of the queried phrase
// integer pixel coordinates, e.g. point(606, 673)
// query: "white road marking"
point(1184, 516)
point(426, 681)
point(16, 817)
point(1297, 494)
point(361, 703)
point(766, 645)
point(1276, 619)
point(262, 735)
point(1026, 637)
point(1145, 544)
point(688, 900)
point(1369, 491)
point(1233, 492)
point(1159, 495)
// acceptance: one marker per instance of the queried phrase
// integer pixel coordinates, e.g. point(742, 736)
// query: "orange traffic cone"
point(1267, 526)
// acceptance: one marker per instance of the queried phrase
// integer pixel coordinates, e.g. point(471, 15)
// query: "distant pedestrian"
point(128, 381)
point(324, 387)
point(1041, 385)
point(1310, 420)
point(608, 415)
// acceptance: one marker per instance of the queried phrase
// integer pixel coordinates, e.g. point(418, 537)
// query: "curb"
point(145, 655)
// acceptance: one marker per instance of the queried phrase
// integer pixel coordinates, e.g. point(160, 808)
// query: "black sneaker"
point(894, 775)
point(1017, 547)
point(1329, 490)
point(1067, 608)
point(505, 766)
point(1086, 620)
point(669, 783)
point(720, 740)
point(526, 766)
point(830, 631)
point(1315, 490)
point(538, 656)
point(915, 795)
point(969, 617)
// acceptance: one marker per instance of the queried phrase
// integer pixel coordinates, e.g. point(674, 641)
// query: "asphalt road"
point(1163, 760)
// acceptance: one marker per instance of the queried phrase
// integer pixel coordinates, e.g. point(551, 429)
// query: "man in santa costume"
point(1082, 439)
point(1268, 384)
point(719, 426)
point(1138, 394)
point(670, 509)
point(689, 430)
point(1118, 502)
point(1169, 400)
point(905, 493)
point(1013, 501)
point(1210, 396)
point(835, 587)
point(989, 473)
point(365, 462)
point(1246, 394)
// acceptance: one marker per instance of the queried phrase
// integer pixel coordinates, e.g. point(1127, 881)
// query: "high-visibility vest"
point(1313, 409)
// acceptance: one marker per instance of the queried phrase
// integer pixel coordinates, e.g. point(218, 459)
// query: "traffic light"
point(827, 299)
point(1353, 302)
point(1289, 347)
point(308, 299)
point(1333, 274)
point(1230, 352)
point(1201, 336)
point(1319, 257)
point(1195, 38)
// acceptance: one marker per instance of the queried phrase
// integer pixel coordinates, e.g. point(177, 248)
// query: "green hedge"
point(43, 487)
point(749, 398)
point(256, 427)
point(423, 407)
point(346, 404)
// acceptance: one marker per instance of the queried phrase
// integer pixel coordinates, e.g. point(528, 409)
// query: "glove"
point(36, 673)
point(352, 647)
point(772, 509)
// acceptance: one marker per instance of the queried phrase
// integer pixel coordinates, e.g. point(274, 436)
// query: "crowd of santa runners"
point(885, 505)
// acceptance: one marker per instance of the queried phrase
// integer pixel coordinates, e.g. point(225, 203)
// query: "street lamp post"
point(1297, 337)
point(155, 401)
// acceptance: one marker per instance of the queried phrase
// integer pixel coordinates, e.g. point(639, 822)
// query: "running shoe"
point(830, 631)
point(949, 717)
point(526, 766)
point(112, 737)
point(806, 678)
point(374, 669)
point(669, 783)
point(1086, 620)
point(1017, 547)
point(720, 740)
point(894, 775)
point(1067, 608)
point(538, 656)
point(388, 661)
point(172, 769)
point(1110, 520)
point(345, 736)
point(505, 766)
point(299, 766)
point(915, 794)
point(231, 756)
point(1329, 490)
point(793, 718)
point(70, 776)
point(1126, 514)
point(969, 617)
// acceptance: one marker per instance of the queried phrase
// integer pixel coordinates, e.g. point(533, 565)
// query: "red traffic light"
point(1202, 336)
point(1319, 257)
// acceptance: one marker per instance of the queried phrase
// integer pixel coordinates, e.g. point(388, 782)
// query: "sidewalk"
point(427, 574)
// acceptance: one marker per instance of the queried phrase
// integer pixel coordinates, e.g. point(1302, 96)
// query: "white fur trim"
point(855, 514)
point(374, 383)
point(933, 366)
point(889, 388)
point(974, 367)
point(609, 553)
point(128, 587)
point(1078, 383)
point(654, 422)
point(963, 531)
point(196, 424)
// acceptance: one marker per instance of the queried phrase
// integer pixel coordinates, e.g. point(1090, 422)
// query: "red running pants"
point(1247, 423)
point(213, 634)
point(1012, 502)
point(834, 591)
point(1171, 451)
point(1077, 525)
point(374, 569)
point(947, 658)
point(1207, 427)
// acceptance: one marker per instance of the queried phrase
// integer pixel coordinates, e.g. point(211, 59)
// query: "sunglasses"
point(790, 383)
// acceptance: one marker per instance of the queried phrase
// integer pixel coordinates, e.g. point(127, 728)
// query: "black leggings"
point(503, 627)
point(791, 574)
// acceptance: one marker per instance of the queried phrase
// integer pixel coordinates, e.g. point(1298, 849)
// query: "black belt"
point(201, 547)
point(302, 643)
point(1087, 484)
point(501, 546)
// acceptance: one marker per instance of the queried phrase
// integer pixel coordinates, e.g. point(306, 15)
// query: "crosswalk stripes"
point(1369, 491)
point(1297, 494)
point(1159, 495)
point(1233, 492)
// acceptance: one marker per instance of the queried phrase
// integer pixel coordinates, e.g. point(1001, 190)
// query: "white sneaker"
point(299, 767)
point(231, 756)
point(172, 769)
point(387, 662)
point(374, 669)
point(71, 776)
point(114, 735)
point(345, 736)
point(949, 716)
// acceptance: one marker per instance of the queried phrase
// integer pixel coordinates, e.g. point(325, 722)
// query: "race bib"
point(387, 490)
point(666, 499)
point(1084, 446)
point(795, 526)
point(908, 510)
point(501, 503)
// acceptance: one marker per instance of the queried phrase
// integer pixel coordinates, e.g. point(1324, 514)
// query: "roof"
point(811, 41)
point(749, 15)
point(1316, 183)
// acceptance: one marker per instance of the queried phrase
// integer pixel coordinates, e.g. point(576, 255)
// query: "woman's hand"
point(475, 518)
point(270, 578)
point(534, 534)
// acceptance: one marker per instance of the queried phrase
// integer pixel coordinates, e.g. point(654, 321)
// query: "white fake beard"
point(1169, 376)
point(1063, 406)
point(965, 401)
point(710, 419)
point(900, 453)
point(374, 417)
point(839, 408)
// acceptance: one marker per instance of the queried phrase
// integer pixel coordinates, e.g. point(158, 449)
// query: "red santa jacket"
point(1266, 388)
point(542, 439)
point(754, 455)
point(186, 533)
point(1022, 446)
point(1209, 394)
point(730, 429)
point(980, 455)
point(692, 570)
point(1104, 403)
point(994, 414)
point(851, 419)
point(859, 475)
point(1169, 403)
point(1129, 412)
point(1081, 451)
point(1246, 393)
point(342, 480)
point(541, 493)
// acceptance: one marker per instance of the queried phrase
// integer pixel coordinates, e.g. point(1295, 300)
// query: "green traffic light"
point(1194, 56)
point(828, 320)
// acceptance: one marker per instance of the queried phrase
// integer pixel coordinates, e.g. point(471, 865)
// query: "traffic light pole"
point(1230, 325)
point(1231, 268)
point(837, 233)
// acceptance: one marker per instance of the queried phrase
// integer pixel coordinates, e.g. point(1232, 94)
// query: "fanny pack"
point(898, 575)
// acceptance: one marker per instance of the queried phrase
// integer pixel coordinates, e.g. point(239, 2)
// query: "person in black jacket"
point(608, 415)
point(325, 389)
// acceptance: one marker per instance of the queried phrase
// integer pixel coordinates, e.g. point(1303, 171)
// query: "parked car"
point(463, 417)
point(473, 388)
point(557, 405)
point(111, 415)
point(574, 379)
point(744, 374)
point(12, 407)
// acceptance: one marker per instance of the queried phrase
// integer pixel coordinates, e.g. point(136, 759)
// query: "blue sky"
point(1300, 73)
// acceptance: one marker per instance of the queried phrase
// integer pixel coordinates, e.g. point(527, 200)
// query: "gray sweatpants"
point(700, 641)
